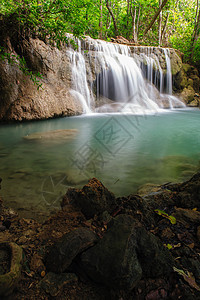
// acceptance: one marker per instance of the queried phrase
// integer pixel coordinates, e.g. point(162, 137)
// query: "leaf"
point(188, 277)
point(169, 246)
point(165, 215)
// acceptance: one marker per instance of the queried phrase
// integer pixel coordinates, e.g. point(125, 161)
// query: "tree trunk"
point(100, 19)
point(134, 26)
point(155, 16)
point(127, 24)
point(160, 25)
point(195, 35)
point(164, 27)
point(138, 21)
point(196, 12)
point(113, 17)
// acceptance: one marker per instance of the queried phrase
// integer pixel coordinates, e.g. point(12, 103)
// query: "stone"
point(190, 82)
point(187, 68)
point(187, 193)
point(93, 198)
point(194, 103)
point(138, 207)
point(176, 62)
point(63, 252)
point(187, 215)
point(196, 82)
point(187, 94)
point(180, 81)
point(125, 254)
point(9, 279)
point(53, 284)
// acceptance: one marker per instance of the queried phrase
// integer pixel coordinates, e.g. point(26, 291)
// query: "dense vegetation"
point(175, 24)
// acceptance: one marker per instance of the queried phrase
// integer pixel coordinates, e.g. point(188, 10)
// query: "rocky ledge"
point(143, 246)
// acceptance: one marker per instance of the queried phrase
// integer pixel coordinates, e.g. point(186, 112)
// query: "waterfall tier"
point(109, 77)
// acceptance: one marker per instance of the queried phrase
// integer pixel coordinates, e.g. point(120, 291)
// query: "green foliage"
point(181, 26)
point(52, 19)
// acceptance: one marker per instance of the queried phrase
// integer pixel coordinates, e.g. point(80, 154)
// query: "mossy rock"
point(196, 83)
point(11, 272)
point(188, 94)
point(187, 68)
point(176, 63)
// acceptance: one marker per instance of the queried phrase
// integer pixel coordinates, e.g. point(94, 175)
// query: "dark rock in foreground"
point(125, 254)
point(93, 198)
point(70, 245)
point(53, 284)
point(188, 193)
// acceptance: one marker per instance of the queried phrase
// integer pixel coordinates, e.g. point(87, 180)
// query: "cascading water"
point(172, 100)
point(124, 81)
point(169, 73)
point(80, 89)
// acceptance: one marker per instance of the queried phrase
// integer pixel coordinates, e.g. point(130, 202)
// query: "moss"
point(9, 280)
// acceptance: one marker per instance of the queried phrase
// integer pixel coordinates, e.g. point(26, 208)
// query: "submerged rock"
point(54, 135)
point(126, 253)
point(93, 198)
point(62, 253)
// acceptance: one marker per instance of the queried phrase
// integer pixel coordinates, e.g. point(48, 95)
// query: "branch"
point(155, 16)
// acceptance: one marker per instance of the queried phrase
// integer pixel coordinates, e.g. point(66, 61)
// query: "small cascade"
point(124, 79)
point(169, 73)
point(150, 66)
point(80, 89)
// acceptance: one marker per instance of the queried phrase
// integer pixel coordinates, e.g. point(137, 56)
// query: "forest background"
point(166, 23)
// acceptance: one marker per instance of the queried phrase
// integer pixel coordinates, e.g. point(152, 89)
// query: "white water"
point(169, 73)
point(126, 82)
point(80, 88)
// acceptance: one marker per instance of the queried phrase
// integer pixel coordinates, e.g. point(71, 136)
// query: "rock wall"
point(21, 99)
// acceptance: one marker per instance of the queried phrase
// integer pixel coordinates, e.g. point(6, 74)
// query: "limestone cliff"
point(21, 99)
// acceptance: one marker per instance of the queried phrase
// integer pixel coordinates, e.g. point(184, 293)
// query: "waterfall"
point(169, 73)
point(80, 89)
point(124, 79)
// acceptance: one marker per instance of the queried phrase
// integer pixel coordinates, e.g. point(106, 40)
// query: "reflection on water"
point(123, 151)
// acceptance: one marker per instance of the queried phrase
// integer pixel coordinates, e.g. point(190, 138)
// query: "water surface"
point(123, 151)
